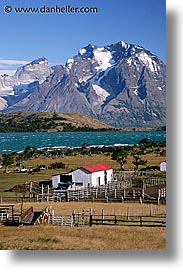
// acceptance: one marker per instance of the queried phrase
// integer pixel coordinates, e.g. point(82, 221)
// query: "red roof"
point(97, 167)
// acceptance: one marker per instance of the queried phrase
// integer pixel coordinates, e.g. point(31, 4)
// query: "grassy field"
point(8, 180)
point(97, 237)
point(50, 237)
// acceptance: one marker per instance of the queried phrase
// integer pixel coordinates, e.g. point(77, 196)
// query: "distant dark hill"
point(31, 122)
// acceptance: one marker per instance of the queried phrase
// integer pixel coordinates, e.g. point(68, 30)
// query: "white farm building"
point(92, 176)
point(86, 176)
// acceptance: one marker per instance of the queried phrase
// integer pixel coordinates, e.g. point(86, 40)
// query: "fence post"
point(72, 223)
point(42, 191)
point(122, 199)
point(90, 216)
point(107, 199)
point(115, 193)
point(52, 216)
point(124, 193)
point(7, 217)
point(128, 213)
point(73, 215)
point(158, 196)
point(48, 191)
point(102, 216)
point(133, 194)
point(83, 217)
point(150, 211)
point(140, 220)
point(30, 190)
point(67, 196)
point(96, 193)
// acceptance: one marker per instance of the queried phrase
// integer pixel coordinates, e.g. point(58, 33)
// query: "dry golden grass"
point(78, 161)
point(68, 207)
point(85, 237)
point(81, 238)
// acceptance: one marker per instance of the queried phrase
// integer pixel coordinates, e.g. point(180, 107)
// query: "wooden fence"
point(140, 216)
point(9, 219)
point(62, 220)
point(152, 215)
point(151, 195)
point(125, 220)
point(118, 195)
point(120, 189)
point(154, 182)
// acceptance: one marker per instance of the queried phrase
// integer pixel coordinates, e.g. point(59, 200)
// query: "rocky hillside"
point(121, 84)
point(37, 122)
point(14, 88)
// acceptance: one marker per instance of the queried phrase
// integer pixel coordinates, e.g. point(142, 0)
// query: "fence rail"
point(154, 182)
point(126, 220)
point(63, 220)
point(9, 219)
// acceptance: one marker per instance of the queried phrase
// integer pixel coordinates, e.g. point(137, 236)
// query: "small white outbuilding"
point(163, 166)
point(92, 175)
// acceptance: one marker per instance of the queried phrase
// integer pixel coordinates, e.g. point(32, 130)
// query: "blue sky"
point(25, 37)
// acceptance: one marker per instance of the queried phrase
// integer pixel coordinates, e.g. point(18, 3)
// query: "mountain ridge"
point(121, 84)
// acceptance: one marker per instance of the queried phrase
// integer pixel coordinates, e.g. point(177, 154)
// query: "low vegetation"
point(48, 237)
point(35, 165)
point(44, 237)
point(55, 122)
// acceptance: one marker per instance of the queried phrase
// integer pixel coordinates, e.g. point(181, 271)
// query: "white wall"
point(109, 175)
point(82, 176)
point(91, 179)
point(163, 166)
point(95, 178)
point(55, 181)
point(101, 174)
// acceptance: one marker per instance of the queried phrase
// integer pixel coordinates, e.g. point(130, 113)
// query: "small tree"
point(120, 155)
point(19, 160)
point(138, 161)
point(29, 152)
point(7, 161)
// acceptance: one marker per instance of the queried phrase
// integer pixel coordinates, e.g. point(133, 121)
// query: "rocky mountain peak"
point(121, 84)
point(16, 87)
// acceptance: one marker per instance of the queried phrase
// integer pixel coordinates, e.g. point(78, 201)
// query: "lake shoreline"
point(10, 142)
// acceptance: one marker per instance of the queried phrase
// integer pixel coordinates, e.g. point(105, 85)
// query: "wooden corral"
point(7, 214)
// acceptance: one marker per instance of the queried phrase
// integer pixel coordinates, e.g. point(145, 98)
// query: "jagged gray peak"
point(121, 84)
point(14, 88)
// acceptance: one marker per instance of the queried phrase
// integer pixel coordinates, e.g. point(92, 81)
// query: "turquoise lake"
point(10, 142)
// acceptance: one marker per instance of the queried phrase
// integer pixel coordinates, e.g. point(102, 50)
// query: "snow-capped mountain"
point(121, 84)
point(16, 87)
